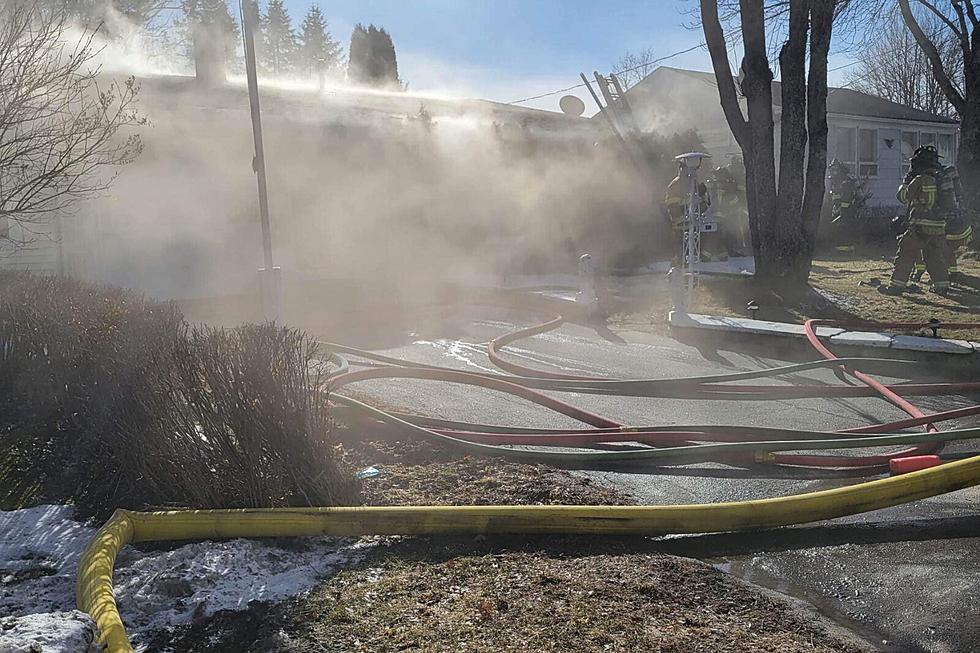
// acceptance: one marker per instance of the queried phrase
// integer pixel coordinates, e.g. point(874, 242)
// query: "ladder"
point(617, 103)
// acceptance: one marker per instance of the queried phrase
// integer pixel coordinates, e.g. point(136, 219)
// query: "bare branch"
point(61, 125)
point(960, 31)
point(714, 36)
point(942, 77)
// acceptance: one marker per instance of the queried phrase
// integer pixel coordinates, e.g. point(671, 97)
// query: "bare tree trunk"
point(760, 158)
point(968, 159)
point(821, 28)
point(782, 219)
point(789, 234)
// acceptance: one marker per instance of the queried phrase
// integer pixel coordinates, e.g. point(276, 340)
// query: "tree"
point(318, 51)
point(372, 58)
point(892, 66)
point(213, 35)
point(62, 127)
point(280, 40)
point(783, 216)
point(959, 80)
point(631, 67)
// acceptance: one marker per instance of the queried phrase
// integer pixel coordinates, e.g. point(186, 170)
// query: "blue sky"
point(510, 49)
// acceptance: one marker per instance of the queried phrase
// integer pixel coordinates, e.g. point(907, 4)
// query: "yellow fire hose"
point(94, 593)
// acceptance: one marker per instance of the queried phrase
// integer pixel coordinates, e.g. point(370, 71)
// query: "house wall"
point(670, 100)
point(40, 253)
point(892, 159)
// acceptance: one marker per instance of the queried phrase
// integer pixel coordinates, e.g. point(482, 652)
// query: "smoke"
point(394, 193)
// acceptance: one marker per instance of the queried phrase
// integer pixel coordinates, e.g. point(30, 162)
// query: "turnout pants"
point(958, 234)
point(933, 250)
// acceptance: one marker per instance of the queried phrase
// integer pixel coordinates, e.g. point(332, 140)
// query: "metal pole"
point(269, 282)
point(693, 253)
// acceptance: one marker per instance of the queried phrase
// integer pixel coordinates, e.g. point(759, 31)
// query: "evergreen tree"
point(384, 49)
point(319, 53)
point(280, 39)
point(358, 55)
point(372, 58)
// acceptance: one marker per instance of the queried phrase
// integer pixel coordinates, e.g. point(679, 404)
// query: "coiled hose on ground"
point(666, 445)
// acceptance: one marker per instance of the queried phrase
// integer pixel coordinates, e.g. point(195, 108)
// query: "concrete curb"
point(746, 326)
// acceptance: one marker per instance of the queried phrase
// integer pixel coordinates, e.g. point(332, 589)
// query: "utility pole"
point(269, 276)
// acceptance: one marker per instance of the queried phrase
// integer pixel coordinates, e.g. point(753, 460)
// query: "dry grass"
point(843, 289)
point(850, 284)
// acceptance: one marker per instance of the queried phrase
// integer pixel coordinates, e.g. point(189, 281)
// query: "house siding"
point(40, 254)
point(669, 100)
point(891, 163)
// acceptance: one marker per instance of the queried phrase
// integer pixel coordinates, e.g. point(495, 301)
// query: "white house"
point(874, 136)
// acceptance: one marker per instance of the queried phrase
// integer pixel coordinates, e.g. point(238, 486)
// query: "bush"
point(111, 400)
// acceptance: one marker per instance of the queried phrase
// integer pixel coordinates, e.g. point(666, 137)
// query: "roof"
point(338, 103)
point(840, 101)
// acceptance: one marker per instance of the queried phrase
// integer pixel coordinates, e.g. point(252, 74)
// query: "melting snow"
point(155, 590)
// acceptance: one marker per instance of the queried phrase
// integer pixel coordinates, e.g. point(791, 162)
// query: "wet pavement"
point(906, 578)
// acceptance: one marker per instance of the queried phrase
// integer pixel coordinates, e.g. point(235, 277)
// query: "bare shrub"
point(110, 400)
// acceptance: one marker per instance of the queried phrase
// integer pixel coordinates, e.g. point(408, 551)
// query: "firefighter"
point(958, 227)
point(926, 225)
point(676, 202)
point(843, 191)
point(729, 203)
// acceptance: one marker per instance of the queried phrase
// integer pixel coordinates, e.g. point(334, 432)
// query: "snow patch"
point(163, 589)
point(53, 632)
point(155, 590)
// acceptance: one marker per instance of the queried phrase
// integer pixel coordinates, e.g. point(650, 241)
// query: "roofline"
point(942, 121)
point(945, 123)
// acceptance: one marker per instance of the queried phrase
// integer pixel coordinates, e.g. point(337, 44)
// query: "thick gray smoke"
point(365, 185)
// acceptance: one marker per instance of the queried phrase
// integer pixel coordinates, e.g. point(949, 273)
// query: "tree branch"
point(929, 48)
point(714, 36)
point(961, 31)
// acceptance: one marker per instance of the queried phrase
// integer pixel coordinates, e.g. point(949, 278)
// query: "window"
point(947, 148)
point(868, 152)
point(844, 148)
point(944, 143)
point(910, 142)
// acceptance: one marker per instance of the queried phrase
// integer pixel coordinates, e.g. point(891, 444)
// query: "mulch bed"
point(422, 473)
point(510, 594)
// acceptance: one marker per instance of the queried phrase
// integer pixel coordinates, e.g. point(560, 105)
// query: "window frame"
point(867, 167)
point(949, 157)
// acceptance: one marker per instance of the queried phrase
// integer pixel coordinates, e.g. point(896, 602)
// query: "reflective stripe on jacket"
point(920, 196)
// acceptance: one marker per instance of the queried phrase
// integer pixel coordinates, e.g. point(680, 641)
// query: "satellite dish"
point(571, 106)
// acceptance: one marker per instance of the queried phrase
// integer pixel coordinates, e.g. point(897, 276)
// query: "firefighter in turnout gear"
point(958, 227)
point(729, 205)
point(676, 203)
point(843, 191)
point(926, 225)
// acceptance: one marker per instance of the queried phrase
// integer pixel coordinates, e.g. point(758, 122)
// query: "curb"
point(837, 336)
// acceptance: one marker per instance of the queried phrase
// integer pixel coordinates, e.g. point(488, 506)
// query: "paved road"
point(907, 578)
